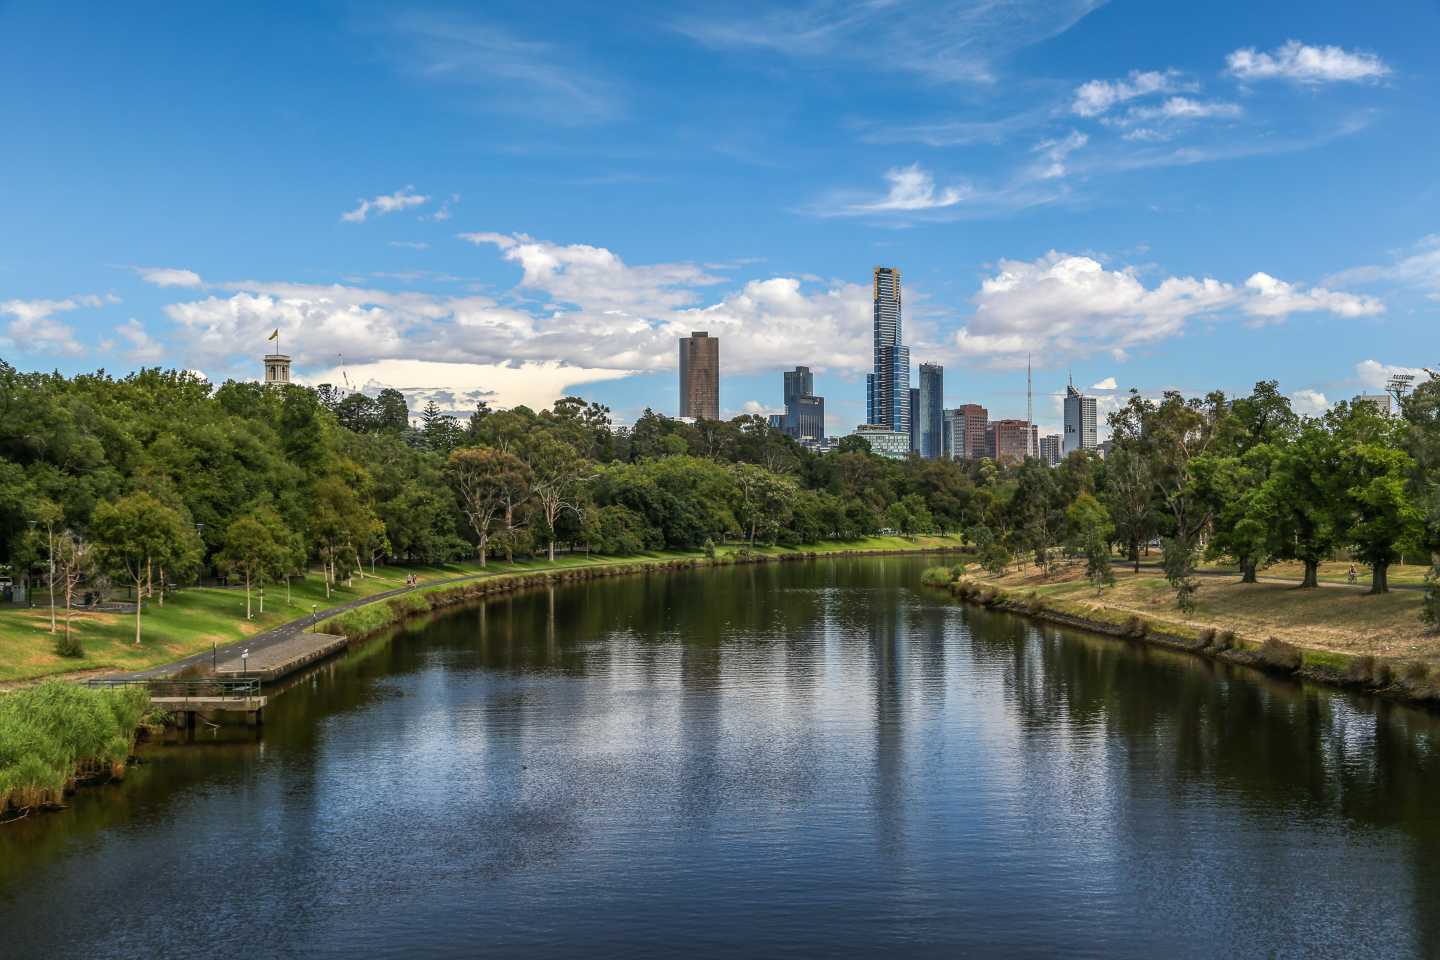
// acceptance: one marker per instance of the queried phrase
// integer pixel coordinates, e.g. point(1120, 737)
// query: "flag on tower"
point(275, 335)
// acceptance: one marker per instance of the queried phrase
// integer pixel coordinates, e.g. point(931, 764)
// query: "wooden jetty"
point(209, 696)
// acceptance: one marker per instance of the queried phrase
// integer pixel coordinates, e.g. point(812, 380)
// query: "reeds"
point(54, 733)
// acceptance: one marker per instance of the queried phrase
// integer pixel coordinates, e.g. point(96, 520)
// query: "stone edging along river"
point(1406, 681)
point(367, 619)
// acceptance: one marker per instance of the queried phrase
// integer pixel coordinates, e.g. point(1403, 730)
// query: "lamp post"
point(245, 660)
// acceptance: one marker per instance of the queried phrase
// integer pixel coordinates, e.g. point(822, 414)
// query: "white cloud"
point(1420, 270)
point(1097, 96)
point(1054, 152)
point(1072, 305)
point(35, 328)
point(143, 347)
point(402, 199)
point(170, 277)
point(579, 308)
point(1275, 299)
point(754, 408)
point(1309, 403)
point(457, 387)
point(1178, 109)
point(410, 244)
point(1302, 63)
point(1107, 384)
point(912, 188)
point(444, 212)
point(1376, 375)
point(941, 40)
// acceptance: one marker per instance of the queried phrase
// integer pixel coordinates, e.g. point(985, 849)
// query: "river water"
point(807, 759)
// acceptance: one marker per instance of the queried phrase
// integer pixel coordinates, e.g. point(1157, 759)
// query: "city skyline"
point(1121, 192)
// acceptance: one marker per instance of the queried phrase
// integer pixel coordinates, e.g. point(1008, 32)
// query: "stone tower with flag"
point(277, 364)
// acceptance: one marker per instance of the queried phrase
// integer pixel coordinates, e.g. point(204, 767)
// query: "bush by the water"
point(936, 576)
point(1279, 655)
point(1135, 628)
point(54, 733)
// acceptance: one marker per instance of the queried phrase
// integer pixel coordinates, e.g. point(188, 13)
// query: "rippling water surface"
point(804, 759)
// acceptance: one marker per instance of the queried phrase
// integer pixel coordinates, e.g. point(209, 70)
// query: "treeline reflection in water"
point(821, 756)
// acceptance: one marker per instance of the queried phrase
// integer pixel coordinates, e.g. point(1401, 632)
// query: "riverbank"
point(195, 620)
point(369, 619)
point(1333, 634)
point(56, 735)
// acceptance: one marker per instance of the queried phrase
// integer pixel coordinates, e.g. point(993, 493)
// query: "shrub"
point(55, 731)
point(1279, 655)
point(1225, 640)
point(1135, 628)
point(1384, 674)
point(1361, 670)
point(957, 571)
point(1415, 673)
point(935, 576)
point(1207, 637)
point(68, 645)
point(709, 549)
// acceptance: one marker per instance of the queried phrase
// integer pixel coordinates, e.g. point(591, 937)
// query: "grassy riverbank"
point(55, 734)
point(1336, 633)
point(193, 619)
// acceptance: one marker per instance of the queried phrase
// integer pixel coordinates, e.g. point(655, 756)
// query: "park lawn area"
point(1335, 619)
point(193, 619)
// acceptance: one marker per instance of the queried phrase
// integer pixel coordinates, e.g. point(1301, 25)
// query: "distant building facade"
point(277, 369)
point(700, 376)
point(804, 412)
point(914, 420)
point(883, 441)
point(1080, 426)
point(1380, 401)
point(887, 389)
point(930, 411)
point(1008, 441)
point(1050, 448)
point(973, 446)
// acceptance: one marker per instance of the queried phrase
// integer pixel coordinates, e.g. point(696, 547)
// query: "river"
point(804, 759)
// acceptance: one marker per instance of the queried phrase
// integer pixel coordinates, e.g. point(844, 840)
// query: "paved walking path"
point(1363, 583)
point(276, 640)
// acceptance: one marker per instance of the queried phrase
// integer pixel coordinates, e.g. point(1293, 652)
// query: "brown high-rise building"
point(976, 419)
point(1009, 441)
point(700, 376)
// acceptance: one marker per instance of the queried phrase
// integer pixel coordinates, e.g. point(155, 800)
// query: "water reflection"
point(809, 758)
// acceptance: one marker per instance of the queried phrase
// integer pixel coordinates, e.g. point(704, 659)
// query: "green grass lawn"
point(193, 619)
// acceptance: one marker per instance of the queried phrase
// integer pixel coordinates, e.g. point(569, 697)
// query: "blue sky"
point(517, 201)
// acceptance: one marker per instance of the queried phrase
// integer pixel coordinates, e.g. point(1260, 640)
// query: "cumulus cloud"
point(1107, 384)
point(1302, 63)
point(1309, 403)
point(402, 199)
point(1073, 305)
point(1097, 96)
point(581, 309)
point(1376, 375)
point(1275, 299)
point(170, 277)
point(755, 408)
point(34, 326)
point(143, 347)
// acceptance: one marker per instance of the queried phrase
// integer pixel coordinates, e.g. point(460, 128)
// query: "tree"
point(338, 523)
point(258, 547)
point(1090, 530)
point(75, 560)
point(763, 499)
point(558, 472)
point(485, 481)
point(136, 531)
point(1128, 492)
point(1372, 498)
point(1298, 495)
point(48, 514)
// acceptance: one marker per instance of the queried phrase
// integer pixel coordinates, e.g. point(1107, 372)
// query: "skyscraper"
point(1079, 421)
point(974, 446)
point(804, 412)
point(700, 376)
point(887, 390)
point(929, 412)
point(1050, 449)
point(914, 420)
point(1008, 441)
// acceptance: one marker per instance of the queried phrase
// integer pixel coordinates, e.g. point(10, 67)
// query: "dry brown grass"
point(1339, 620)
